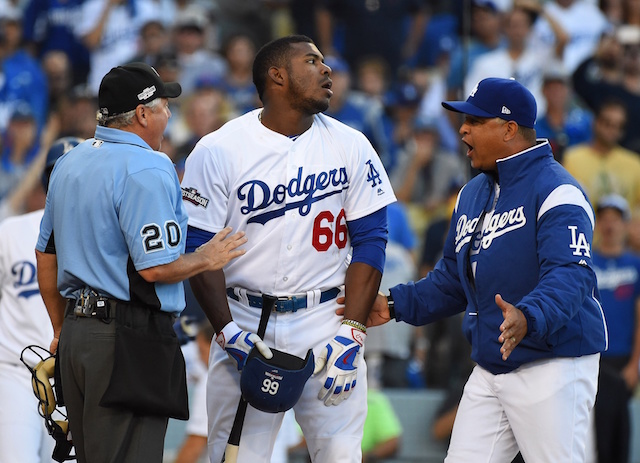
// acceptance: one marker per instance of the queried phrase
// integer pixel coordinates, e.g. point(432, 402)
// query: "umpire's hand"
point(222, 248)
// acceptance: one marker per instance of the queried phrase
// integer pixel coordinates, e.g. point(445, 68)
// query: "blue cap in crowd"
point(336, 64)
point(616, 202)
point(494, 97)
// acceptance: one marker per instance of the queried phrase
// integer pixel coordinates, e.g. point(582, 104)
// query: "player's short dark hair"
point(274, 53)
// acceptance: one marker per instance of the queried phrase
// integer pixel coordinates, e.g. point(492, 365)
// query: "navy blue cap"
point(286, 375)
point(507, 99)
point(403, 94)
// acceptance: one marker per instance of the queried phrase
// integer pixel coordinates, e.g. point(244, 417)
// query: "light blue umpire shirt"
point(114, 208)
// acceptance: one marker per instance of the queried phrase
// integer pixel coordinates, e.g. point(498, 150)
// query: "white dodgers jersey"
point(292, 197)
point(23, 317)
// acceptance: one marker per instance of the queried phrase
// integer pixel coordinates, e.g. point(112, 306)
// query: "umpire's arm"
point(53, 300)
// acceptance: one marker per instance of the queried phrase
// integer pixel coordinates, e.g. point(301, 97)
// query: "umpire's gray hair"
point(124, 119)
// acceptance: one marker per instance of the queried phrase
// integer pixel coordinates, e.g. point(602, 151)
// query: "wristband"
point(355, 324)
point(392, 307)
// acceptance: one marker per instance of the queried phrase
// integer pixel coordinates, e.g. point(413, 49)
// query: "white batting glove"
point(340, 357)
point(239, 343)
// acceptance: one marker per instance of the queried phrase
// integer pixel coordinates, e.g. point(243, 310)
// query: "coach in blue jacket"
point(517, 261)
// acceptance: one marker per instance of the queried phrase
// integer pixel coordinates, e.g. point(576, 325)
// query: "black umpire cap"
point(123, 88)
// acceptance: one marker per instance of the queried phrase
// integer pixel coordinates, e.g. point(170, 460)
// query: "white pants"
point(541, 409)
point(333, 434)
point(23, 435)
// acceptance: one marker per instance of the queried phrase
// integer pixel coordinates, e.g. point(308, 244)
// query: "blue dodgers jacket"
point(535, 251)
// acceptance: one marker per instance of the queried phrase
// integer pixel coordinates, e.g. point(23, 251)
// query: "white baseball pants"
point(541, 409)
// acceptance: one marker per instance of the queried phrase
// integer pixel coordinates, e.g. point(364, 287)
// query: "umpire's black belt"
point(286, 303)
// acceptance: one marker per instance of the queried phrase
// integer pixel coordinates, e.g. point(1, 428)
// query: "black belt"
point(99, 307)
point(286, 303)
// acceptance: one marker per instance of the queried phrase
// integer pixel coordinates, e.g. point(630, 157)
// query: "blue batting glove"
point(340, 357)
point(238, 343)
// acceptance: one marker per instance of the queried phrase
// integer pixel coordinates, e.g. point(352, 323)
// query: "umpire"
point(111, 264)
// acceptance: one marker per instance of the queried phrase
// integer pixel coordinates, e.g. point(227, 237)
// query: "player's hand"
point(222, 248)
point(379, 313)
point(53, 347)
point(513, 328)
point(340, 357)
point(238, 343)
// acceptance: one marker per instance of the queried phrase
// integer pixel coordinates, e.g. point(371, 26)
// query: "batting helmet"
point(275, 385)
point(57, 149)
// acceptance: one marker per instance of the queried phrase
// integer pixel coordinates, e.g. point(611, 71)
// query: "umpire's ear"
point(142, 115)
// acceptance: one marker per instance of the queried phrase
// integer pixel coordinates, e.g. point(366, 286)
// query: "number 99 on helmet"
point(275, 385)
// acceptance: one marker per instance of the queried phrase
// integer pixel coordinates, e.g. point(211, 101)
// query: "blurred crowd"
point(392, 62)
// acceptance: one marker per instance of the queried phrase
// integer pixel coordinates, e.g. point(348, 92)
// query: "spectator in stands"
point(20, 146)
point(77, 116)
point(564, 123)
point(48, 25)
point(382, 433)
point(204, 111)
point(518, 59)
point(425, 171)
point(195, 60)
point(239, 51)
point(613, 72)
point(372, 29)
point(583, 22)
point(154, 40)
point(57, 69)
point(618, 272)
point(22, 77)
point(110, 29)
point(401, 104)
point(485, 35)
point(354, 108)
point(602, 166)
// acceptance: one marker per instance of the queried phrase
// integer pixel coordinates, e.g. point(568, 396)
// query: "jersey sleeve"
point(369, 186)
point(204, 180)
point(153, 219)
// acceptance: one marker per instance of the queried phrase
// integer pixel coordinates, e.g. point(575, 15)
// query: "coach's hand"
point(238, 343)
point(379, 313)
point(513, 328)
point(340, 357)
point(220, 249)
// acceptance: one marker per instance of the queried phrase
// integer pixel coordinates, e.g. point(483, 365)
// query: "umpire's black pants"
point(100, 434)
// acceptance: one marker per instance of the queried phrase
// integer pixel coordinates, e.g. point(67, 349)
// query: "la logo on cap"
point(475, 89)
point(505, 110)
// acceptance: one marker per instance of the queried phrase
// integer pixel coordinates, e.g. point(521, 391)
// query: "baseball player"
point(306, 189)
point(518, 262)
point(23, 321)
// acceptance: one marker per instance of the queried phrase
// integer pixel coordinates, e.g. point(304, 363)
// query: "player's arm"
point(210, 290)
point(210, 256)
point(368, 240)
point(47, 280)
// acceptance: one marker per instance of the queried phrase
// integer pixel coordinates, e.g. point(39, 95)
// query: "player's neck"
point(286, 123)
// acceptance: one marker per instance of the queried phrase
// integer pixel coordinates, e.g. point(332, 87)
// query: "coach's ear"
point(278, 75)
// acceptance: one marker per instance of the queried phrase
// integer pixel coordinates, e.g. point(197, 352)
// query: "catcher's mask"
point(276, 384)
point(41, 376)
